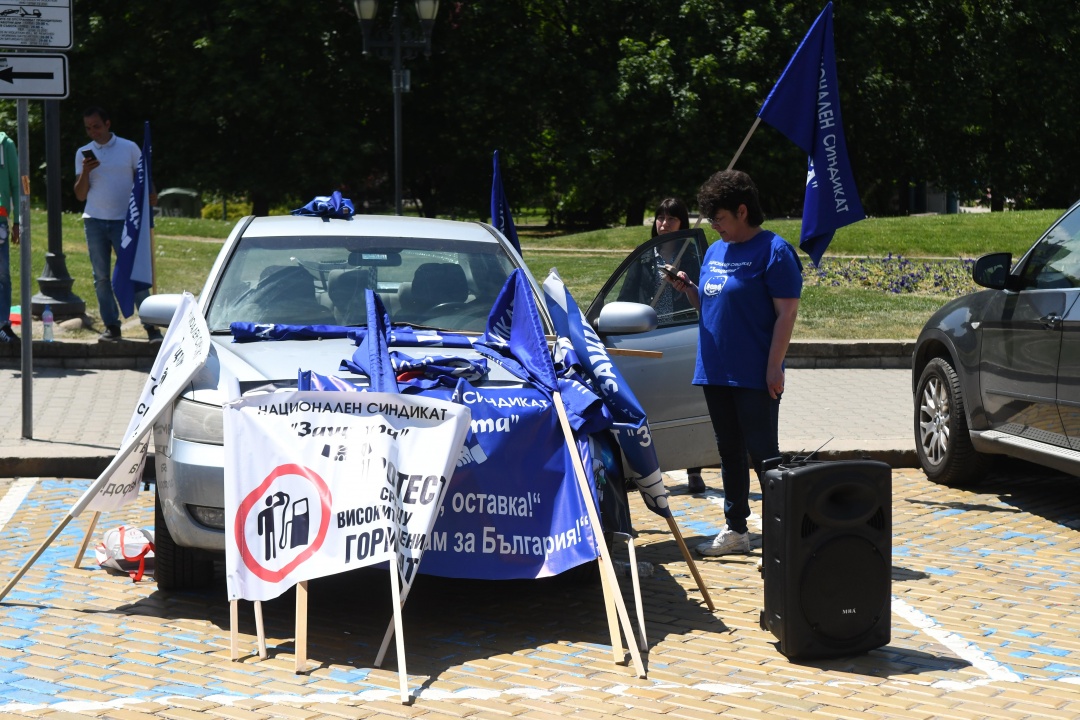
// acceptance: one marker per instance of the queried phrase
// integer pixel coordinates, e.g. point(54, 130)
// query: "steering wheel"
point(446, 307)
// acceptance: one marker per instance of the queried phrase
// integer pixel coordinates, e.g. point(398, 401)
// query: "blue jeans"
point(103, 238)
point(746, 422)
point(5, 274)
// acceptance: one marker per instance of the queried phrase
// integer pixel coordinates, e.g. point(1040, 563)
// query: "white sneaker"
point(728, 542)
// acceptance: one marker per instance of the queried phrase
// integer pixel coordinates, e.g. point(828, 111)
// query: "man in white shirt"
point(105, 173)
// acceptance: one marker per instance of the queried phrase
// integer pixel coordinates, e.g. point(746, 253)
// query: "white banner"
point(183, 351)
point(320, 482)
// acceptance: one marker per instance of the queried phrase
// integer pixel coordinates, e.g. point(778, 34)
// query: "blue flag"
point(805, 106)
point(586, 350)
point(134, 269)
point(500, 207)
point(374, 349)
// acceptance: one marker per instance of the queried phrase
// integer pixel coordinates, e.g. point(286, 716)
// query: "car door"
point(1055, 261)
point(1023, 341)
point(661, 378)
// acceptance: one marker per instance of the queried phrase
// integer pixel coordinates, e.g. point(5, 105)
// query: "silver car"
point(429, 273)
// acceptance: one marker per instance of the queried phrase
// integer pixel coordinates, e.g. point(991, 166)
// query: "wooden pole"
point(86, 539)
point(399, 635)
point(301, 627)
point(48, 541)
point(637, 591)
point(690, 561)
point(734, 159)
point(260, 630)
point(234, 631)
point(606, 566)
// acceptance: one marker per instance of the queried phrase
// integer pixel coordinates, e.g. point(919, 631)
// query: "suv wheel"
point(176, 567)
point(941, 430)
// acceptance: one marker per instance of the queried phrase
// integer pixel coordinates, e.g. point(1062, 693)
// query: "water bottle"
point(47, 324)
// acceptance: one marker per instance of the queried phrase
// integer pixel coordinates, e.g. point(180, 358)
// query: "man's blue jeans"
point(746, 421)
point(5, 275)
point(103, 238)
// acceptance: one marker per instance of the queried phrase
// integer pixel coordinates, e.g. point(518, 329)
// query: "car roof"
point(370, 225)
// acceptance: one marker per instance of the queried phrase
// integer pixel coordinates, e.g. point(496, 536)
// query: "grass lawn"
point(862, 291)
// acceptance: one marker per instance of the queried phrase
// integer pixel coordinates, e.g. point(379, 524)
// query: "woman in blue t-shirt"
point(748, 297)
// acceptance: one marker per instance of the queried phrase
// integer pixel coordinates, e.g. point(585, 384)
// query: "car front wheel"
point(176, 567)
point(941, 430)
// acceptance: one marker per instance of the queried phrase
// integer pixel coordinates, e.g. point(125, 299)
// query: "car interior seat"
point(346, 290)
point(433, 284)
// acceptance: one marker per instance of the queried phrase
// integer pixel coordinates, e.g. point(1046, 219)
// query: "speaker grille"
point(809, 527)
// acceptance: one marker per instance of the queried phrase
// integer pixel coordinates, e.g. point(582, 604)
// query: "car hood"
point(232, 367)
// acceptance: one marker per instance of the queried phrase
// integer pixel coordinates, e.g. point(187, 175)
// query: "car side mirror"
point(159, 309)
point(992, 271)
point(623, 318)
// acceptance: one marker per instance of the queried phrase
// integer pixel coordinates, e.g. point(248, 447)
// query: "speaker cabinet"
point(826, 557)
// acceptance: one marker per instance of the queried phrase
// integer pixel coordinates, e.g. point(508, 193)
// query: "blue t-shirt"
point(737, 287)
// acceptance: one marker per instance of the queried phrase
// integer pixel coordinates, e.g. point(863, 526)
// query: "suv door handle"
point(1051, 321)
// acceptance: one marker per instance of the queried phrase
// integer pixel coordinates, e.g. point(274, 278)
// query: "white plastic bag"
point(126, 549)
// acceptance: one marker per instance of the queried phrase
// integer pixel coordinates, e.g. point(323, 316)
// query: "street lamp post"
point(399, 43)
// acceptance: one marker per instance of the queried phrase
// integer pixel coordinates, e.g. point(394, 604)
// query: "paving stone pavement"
point(985, 624)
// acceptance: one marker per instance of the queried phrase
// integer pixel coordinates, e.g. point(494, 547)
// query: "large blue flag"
point(586, 351)
point(500, 206)
point(134, 269)
point(805, 106)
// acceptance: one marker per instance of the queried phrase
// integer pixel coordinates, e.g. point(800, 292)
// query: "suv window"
point(1054, 262)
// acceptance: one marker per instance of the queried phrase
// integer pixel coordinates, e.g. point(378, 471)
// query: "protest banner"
point(321, 482)
point(183, 351)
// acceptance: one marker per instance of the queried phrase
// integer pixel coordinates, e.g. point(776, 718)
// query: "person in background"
point(645, 278)
point(105, 173)
point(9, 229)
point(748, 295)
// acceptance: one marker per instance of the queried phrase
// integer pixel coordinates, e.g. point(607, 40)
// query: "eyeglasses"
point(712, 221)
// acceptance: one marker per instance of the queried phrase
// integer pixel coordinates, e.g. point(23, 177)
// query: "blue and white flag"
point(805, 106)
point(134, 269)
point(631, 425)
point(500, 207)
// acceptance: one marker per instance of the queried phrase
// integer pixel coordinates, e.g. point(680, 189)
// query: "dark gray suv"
point(997, 372)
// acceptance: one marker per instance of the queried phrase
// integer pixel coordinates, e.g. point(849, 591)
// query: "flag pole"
point(86, 540)
point(738, 153)
point(607, 568)
point(757, 121)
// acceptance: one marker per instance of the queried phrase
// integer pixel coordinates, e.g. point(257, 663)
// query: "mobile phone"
point(89, 155)
point(670, 272)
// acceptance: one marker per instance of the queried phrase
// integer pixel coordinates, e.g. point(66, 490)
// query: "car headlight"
point(198, 422)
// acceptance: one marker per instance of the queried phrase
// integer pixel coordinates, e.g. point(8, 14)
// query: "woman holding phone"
point(748, 295)
point(650, 282)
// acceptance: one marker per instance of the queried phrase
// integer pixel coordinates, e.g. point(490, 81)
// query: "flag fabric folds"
point(586, 351)
point(805, 106)
point(134, 269)
point(500, 206)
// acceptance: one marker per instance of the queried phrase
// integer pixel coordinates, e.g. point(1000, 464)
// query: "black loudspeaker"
point(826, 557)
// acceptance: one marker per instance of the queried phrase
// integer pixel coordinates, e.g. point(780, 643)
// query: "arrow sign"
point(33, 76)
point(9, 75)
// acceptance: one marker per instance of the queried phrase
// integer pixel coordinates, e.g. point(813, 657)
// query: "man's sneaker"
point(7, 335)
point(695, 484)
point(728, 542)
point(153, 335)
point(112, 332)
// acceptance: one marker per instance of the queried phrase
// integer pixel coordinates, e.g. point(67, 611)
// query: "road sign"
point(34, 76)
point(42, 24)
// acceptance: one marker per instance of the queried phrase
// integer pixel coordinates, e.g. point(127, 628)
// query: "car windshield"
point(313, 280)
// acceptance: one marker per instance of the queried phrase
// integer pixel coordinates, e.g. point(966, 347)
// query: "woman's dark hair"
point(727, 190)
point(675, 208)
